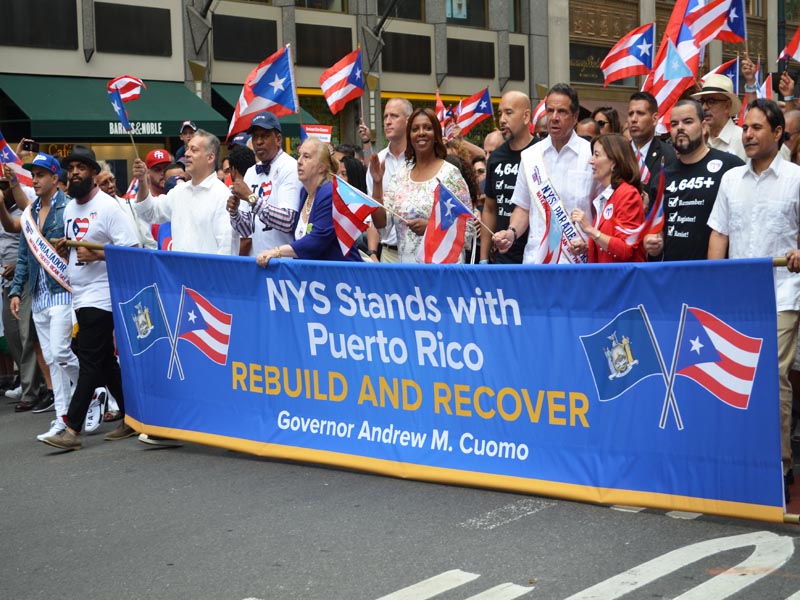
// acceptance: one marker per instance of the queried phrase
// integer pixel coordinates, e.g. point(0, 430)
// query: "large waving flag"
point(204, 325)
point(447, 228)
point(631, 55)
point(792, 49)
point(343, 82)
point(123, 89)
point(445, 116)
point(10, 158)
point(661, 82)
point(706, 21)
point(268, 87)
point(473, 110)
point(350, 208)
point(735, 28)
point(717, 357)
point(730, 69)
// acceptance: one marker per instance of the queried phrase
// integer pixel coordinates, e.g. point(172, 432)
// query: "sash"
point(553, 212)
point(43, 251)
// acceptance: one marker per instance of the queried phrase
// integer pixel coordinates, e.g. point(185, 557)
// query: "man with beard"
point(270, 188)
point(690, 188)
point(501, 176)
point(157, 162)
point(720, 104)
point(196, 209)
point(94, 217)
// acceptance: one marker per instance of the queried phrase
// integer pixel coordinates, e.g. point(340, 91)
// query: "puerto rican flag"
point(445, 116)
point(631, 55)
point(133, 189)
point(730, 69)
point(538, 113)
point(350, 208)
point(129, 87)
point(204, 325)
point(654, 222)
point(735, 28)
point(792, 49)
point(446, 232)
point(706, 21)
point(473, 110)
point(343, 82)
point(717, 357)
point(10, 158)
point(269, 87)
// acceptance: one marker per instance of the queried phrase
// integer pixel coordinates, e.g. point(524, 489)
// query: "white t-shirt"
point(281, 189)
point(101, 221)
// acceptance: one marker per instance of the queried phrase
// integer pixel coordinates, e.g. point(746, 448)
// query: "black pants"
point(98, 367)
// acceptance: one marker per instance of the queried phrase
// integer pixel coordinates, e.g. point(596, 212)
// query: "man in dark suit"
point(642, 119)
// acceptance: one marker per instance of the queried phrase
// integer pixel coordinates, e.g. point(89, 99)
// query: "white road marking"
point(504, 591)
point(679, 514)
point(507, 514)
point(771, 552)
point(623, 508)
point(433, 586)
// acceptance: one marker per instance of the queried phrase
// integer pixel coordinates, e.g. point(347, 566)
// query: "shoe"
point(796, 433)
point(46, 404)
point(65, 440)
point(158, 441)
point(56, 426)
point(94, 415)
point(120, 433)
point(14, 394)
point(24, 406)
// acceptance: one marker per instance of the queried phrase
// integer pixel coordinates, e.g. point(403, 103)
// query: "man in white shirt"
point(197, 208)
point(757, 215)
point(269, 186)
point(566, 159)
point(719, 105)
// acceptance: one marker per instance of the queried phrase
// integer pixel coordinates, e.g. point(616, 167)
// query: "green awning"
point(290, 124)
point(78, 108)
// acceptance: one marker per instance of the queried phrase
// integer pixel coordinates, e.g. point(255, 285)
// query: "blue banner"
point(651, 384)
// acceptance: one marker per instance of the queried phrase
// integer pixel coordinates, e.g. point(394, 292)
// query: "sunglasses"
point(601, 122)
point(713, 101)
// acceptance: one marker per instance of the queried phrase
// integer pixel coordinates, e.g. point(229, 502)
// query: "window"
point(128, 29)
point(334, 5)
point(244, 39)
point(471, 13)
point(403, 9)
point(18, 15)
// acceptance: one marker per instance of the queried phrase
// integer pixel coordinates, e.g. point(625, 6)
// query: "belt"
point(390, 247)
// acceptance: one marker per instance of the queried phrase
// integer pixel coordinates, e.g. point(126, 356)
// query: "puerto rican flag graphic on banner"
point(343, 82)
point(204, 325)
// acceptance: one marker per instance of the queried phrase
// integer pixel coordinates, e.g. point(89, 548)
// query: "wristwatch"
point(370, 252)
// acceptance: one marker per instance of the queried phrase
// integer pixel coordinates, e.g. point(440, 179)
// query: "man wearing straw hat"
point(92, 217)
point(719, 105)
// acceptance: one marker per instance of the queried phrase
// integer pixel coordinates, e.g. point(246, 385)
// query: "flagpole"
point(135, 151)
point(171, 340)
point(669, 399)
point(174, 355)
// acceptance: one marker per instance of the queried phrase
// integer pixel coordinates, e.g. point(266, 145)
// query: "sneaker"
point(65, 440)
point(46, 404)
point(158, 441)
point(120, 433)
point(94, 415)
point(56, 426)
point(14, 394)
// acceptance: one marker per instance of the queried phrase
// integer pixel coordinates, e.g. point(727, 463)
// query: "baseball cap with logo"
point(189, 124)
point(240, 139)
point(265, 120)
point(157, 157)
point(44, 161)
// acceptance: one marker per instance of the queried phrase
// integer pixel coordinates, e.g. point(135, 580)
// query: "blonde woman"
point(314, 235)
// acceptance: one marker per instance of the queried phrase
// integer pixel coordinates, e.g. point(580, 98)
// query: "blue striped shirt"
point(42, 298)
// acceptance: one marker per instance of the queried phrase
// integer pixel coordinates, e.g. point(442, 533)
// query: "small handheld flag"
point(446, 232)
point(343, 82)
point(473, 110)
point(350, 208)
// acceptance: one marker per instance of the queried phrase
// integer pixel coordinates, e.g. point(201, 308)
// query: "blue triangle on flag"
point(675, 68)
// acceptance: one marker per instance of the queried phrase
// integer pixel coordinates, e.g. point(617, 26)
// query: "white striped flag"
point(730, 69)
point(792, 49)
point(204, 325)
point(735, 28)
point(706, 21)
point(538, 113)
point(446, 232)
point(350, 208)
point(344, 81)
point(631, 55)
point(445, 116)
point(129, 87)
point(717, 357)
point(765, 89)
point(473, 110)
point(10, 158)
point(133, 189)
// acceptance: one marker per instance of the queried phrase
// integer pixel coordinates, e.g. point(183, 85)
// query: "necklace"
point(308, 204)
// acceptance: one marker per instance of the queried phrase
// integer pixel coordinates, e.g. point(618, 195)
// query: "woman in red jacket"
point(618, 208)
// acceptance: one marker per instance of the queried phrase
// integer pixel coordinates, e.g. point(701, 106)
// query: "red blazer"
point(624, 209)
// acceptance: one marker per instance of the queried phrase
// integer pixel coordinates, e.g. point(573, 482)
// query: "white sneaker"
point(159, 441)
point(94, 416)
point(14, 394)
point(56, 426)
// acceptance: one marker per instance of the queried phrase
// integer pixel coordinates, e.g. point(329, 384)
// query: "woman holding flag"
point(408, 197)
point(315, 237)
point(619, 207)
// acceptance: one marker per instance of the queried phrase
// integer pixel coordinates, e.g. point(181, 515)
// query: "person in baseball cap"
point(157, 162)
point(188, 129)
point(266, 121)
point(46, 162)
point(240, 139)
point(719, 105)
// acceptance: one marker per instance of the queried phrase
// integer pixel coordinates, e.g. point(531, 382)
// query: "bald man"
point(514, 117)
point(492, 142)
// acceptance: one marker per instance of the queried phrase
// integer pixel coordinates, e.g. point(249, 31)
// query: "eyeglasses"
point(712, 101)
point(601, 122)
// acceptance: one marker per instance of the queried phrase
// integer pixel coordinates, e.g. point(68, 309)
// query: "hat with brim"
point(82, 154)
point(721, 85)
point(46, 162)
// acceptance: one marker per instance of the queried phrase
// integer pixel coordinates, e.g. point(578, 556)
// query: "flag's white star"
point(192, 316)
point(644, 48)
point(116, 106)
point(6, 155)
point(358, 73)
point(450, 206)
point(483, 105)
point(732, 16)
point(277, 84)
point(696, 345)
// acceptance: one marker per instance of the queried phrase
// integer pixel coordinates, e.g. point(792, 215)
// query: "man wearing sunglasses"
point(719, 105)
